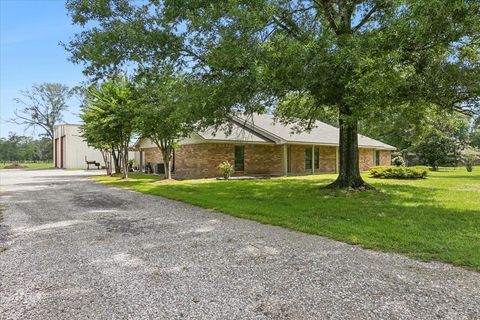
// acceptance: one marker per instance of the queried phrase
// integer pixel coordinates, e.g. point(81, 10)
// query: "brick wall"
point(153, 155)
point(328, 159)
point(202, 160)
point(297, 160)
point(366, 158)
point(385, 158)
point(263, 159)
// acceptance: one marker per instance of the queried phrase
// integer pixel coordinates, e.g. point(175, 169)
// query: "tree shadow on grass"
point(466, 176)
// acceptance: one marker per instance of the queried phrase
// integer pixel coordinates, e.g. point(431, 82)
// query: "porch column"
point(285, 160)
point(313, 159)
point(140, 166)
point(337, 157)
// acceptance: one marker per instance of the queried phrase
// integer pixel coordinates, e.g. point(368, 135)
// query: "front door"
point(377, 157)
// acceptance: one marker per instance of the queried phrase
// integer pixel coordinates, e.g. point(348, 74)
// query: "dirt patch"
point(14, 166)
point(122, 225)
point(98, 200)
point(165, 180)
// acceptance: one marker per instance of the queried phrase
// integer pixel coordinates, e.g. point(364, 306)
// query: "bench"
point(95, 163)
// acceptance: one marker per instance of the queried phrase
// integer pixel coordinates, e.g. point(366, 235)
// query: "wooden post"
point(285, 160)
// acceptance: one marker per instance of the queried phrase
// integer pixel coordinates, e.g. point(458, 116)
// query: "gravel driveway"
point(74, 249)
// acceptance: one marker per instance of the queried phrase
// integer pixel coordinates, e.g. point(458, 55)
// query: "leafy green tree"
point(360, 58)
point(409, 126)
point(443, 143)
point(108, 114)
point(96, 137)
point(42, 106)
point(44, 149)
point(474, 136)
point(10, 148)
point(164, 113)
point(23, 148)
point(402, 129)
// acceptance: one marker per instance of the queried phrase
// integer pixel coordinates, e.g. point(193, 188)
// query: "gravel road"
point(71, 248)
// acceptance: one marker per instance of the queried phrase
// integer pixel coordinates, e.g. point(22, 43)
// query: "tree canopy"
point(442, 140)
point(360, 59)
point(42, 106)
point(108, 113)
point(164, 112)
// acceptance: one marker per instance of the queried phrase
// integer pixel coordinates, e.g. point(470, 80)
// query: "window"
point(316, 159)
point(239, 158)
point(308, 157)
point(377, 158)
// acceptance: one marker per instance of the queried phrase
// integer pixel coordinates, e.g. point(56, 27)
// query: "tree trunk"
point(167, 160)
point(165, 147)
point(106, 161)
point(349, 175)
point(116, 158)
point(405, 157)
point(125, 161)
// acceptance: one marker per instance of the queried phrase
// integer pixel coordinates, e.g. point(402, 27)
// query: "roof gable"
point(321, 133)
point(238, 133)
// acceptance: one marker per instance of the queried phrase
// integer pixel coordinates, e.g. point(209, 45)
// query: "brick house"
point(261, 146)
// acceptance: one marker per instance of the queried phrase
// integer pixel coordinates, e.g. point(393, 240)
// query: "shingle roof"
point(267, 128)
point(238, 133)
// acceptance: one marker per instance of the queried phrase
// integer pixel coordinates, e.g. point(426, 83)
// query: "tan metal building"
point(70, 151)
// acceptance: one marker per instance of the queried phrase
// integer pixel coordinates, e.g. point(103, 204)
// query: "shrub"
point(227, 169)
point(469, 161)
point(131, 165)
point(399, 172)
point(398, 161)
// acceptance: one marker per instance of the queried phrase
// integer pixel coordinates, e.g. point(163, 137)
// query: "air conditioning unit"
point(160, 168)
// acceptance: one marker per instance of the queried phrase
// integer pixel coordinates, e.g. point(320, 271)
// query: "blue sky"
point(30, 31)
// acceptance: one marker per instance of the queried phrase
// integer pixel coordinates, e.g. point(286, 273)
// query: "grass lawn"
point(31, 165)
point(433, 219)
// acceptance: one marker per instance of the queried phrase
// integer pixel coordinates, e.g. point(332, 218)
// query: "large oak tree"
point(42, 106)
point(361, 58)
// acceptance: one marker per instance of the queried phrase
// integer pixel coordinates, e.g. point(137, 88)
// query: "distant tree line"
point(430, 136)
point(24, 148)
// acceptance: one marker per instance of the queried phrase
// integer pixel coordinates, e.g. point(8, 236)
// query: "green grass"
point(31, 165)
point(433, 219)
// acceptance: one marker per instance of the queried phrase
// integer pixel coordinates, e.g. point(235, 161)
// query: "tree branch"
point(325, 5)
point(366, 18)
